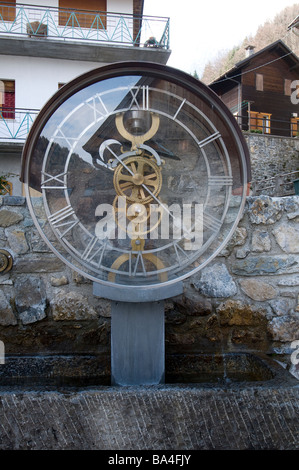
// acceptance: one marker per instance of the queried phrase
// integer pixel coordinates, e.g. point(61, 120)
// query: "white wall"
point(36, 79)
point(40, 3)
point(120, 6)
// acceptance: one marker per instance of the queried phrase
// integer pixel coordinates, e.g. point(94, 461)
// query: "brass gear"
point(122, 215)
point(143, 173)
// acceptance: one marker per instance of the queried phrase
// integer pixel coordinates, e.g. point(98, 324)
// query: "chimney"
point(249, 50)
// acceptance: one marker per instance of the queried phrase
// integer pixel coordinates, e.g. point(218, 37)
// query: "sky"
point(199, 30)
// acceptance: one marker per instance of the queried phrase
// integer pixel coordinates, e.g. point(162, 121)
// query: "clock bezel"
point(156, 71)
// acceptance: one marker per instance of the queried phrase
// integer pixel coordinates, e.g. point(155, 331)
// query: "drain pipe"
point(239, 100)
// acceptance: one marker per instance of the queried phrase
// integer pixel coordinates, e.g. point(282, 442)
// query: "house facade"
point(44, 47)
point(261, 91)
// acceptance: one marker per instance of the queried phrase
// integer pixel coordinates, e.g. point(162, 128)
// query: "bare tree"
point(267, 33)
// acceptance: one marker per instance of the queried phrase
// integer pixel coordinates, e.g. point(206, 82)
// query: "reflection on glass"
point(137, 174)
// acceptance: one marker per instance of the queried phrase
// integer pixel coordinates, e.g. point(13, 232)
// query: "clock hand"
point(185, 230)
point(120, 160)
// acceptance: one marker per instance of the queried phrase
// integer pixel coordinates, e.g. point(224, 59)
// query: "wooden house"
point(262, 90)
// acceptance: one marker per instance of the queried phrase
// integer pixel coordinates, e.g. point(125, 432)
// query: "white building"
point(44, 44)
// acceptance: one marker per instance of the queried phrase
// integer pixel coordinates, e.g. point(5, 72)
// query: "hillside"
point(266, 34)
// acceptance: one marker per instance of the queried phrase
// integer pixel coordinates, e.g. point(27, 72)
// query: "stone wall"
point(245, 300)
point(272, 155)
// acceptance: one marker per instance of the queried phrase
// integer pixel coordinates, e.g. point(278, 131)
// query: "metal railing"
point(276, 186)
point(15, 123)
point(268, 126)
point(84, 25)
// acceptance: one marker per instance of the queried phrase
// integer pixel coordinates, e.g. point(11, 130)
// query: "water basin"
point(235, 401)
point(89, 370)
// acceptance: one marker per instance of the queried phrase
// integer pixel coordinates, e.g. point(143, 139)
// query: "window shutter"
point(82, 19)
point(8, 99)
point(259, 82)
point(8, 12)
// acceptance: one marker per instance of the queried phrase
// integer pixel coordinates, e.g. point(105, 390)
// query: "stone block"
point(8, 218)
point(280, 306)
point(193, 307)
point(238, 239)
point(289, 281)
point(236, 313)
point(72, 306)
point(264, 209)
point(266, 265)
point(59, 281)
point(14, 200)
point(287, 237)
point(104, 308)
point(17, 241)
point(215, 281)
point(30, 299)
point(247, 336)
point(38, 264)
point(284, 328)
point(241, 253)
point(258, 290)
point(261, 241)
point(7, 316)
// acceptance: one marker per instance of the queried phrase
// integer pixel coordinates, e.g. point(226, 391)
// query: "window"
point(260, 122)
point(264, 122)
point(8, 12)
point(294, 126)
point(7, 99)
point(83, 19)
point(259, 82)
point(252, 120)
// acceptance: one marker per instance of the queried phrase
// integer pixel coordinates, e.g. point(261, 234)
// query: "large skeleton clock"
point(142, 171)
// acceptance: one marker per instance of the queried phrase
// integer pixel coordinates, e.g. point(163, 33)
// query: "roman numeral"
point(209, 221)
point(93, 105)
point(59, 219)
point(179, 251)
point(209, 139)
point(69, 140)
point(139, 260)
point(47, 183)
point(144, 95)
point(179, 109)
point(220, 180)
point(89, 253)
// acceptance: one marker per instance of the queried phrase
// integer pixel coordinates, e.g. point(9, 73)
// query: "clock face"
point(142, 172)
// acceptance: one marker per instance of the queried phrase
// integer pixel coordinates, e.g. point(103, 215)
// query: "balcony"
point(15, 124)
point(35, 22)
